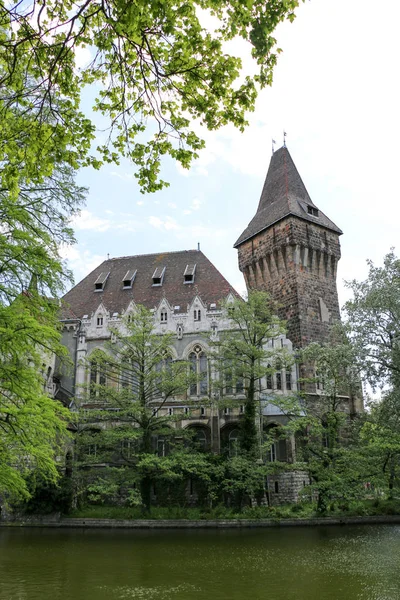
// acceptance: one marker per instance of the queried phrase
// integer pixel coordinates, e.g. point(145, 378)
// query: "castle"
point(290, 249)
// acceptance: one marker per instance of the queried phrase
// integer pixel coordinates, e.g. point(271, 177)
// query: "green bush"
point(47, 497)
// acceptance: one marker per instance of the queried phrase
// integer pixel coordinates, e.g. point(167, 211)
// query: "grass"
point(371, 507)
point(218, 512)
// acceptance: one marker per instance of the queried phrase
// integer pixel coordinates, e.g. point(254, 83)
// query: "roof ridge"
point(152, 254)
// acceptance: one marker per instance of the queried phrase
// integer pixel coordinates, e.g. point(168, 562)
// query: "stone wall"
point(296, 262)
point(286, 488)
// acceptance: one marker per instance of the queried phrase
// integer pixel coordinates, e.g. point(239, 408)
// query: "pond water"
point(325, 563)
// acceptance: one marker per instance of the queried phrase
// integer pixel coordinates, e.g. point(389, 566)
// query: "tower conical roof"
point(284, 194)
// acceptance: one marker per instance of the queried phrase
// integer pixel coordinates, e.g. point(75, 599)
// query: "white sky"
point(336, 94)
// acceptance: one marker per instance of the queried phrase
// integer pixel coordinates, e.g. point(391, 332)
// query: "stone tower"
point(291, 249)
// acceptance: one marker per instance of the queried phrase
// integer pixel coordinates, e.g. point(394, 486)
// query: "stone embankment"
point(199, 524)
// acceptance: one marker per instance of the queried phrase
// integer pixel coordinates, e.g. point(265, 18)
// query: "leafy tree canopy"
point(132, 382)
point(154, 66)
point(374, 319)
point(33, 426)
point(242, 354)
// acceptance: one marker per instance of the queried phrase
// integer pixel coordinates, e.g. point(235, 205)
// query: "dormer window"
point(163, 316)
point(197, 314)
point(312, 210)
point(101, 282)
point(128, 279)
point(100, 321)
point(188, 276)
point(158, 276)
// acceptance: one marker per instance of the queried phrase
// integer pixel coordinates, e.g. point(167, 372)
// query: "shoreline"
point(93, 523)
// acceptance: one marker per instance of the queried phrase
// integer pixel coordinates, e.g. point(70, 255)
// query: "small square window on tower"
point(158, 276)
point(100, 282)
point(312, 210)
point(128, 280)
point(188, 276)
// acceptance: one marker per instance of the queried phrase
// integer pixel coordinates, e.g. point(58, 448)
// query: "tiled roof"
point(283, 194)
point(208, 283)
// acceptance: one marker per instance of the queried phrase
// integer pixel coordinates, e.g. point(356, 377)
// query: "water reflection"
point(355, 563)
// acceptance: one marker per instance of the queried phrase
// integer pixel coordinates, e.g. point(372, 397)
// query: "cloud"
point(88, 221)
point(201, 232)
point(168, 224)
point(132, 226)
point(140, 202)
point(123, 176)
point(196, 203)
point(81, 262)
point(172, 205)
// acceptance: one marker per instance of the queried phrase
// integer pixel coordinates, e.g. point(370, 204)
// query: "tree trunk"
point(248, 428)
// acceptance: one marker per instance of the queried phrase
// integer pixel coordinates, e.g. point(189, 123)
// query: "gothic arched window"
point(278, 376)
point(269, 378)
point(233, 381)
point(199, 367)
point(288, 380)
point(234, 442)
point(129, 380)
point(98, 376)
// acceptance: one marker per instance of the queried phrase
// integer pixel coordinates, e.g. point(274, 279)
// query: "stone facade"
point(290, 249)
point(296, 263)
point(192, 313)
point(286, 488)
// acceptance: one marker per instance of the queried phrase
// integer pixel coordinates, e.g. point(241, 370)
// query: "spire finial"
point(284, 139)
point(273, 146)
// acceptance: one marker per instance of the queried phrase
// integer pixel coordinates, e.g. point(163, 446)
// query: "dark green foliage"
point(242, 354)
point(47, 497)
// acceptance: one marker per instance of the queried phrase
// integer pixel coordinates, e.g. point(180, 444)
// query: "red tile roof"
point(208, 283)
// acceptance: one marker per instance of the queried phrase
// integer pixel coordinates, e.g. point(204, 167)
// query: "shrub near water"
point(218, 512)
point(290, 511)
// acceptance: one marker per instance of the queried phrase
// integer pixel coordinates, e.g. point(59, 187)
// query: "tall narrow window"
point(203, 373)
point(278, 376)
point(279, 380)
point(228, 382)
point(233, 442)
point(269, 378)
point(272, 453)
point(129, 379)
point(197, 315)
point(163, 316)
point(199, 367)
point(98, 378)
point(288, 380)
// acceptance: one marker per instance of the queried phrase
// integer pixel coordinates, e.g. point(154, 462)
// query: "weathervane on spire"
point(273, 146)
point(284, 139)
